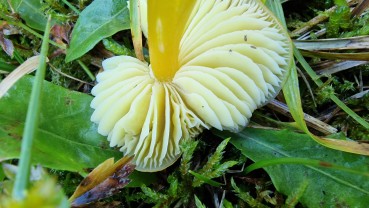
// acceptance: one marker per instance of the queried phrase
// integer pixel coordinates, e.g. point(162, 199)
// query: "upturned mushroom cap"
point(213, 63)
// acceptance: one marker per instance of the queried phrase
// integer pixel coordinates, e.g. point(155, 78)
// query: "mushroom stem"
point(164, 41)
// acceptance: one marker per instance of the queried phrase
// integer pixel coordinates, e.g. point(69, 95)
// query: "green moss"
point(340, 19)
point(72, 69)
point(181, 185)
point(68, 180)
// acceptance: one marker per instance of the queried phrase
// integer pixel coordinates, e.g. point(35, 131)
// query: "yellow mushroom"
point(212, 63)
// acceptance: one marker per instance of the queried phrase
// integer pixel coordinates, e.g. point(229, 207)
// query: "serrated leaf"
point(326, 187)
point(97, 21)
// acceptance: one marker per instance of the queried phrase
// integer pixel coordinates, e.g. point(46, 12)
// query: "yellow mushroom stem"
point(167, 25)
point(213, 62)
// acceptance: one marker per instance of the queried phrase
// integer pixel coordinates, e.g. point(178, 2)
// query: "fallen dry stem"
point(316, 20)
point(310, 120)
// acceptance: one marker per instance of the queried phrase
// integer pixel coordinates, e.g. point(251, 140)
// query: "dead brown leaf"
point(104, 181)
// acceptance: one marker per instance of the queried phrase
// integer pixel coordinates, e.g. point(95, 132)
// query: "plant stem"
point(136, 28)
point(7, 67)
point(71, 6)
point(334, 98)
point(18, 57)
point(25, 27)
point(22, 177)
point(87, 70)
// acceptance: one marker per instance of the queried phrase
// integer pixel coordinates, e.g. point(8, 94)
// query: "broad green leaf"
point(66, 138)
point(325, 187)
point(31, 12)
point(99, 20)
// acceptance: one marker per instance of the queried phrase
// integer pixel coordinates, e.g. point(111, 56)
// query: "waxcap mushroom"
point(212, 63)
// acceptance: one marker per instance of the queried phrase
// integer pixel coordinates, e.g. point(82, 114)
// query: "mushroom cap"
point(233, 58)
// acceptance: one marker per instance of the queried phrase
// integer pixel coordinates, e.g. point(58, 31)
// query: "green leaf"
point(31, 12)
point(326, 187)
point(66, 138)
point(99, 20)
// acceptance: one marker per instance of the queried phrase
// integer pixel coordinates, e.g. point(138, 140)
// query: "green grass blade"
point(87, 70)
point(71, 6)
point(292, 95)
point(136, 28)
point(205, 179)
point(291, 87)
point(334, 98)
point(6, 67)
point(276, 6)
point(33, 32)
point(22, 177)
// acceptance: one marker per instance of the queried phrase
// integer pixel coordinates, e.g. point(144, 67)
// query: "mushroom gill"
point(213, 62)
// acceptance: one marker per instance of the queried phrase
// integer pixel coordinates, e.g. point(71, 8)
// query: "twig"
point(316, 20)
point(87, 70)
point(307, 84)
point(310, 121)
point(71, 6)
point(360, 8)
point(67, 75)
